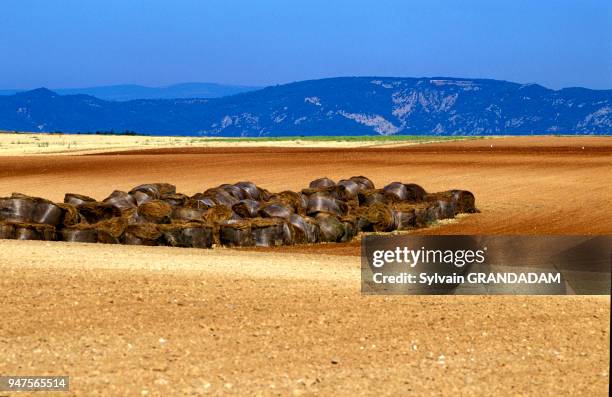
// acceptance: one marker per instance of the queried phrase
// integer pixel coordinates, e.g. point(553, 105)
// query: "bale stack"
point(233, 215)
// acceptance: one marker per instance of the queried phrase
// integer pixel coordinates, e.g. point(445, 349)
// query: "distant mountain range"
point(335, 106)
point(129, 92)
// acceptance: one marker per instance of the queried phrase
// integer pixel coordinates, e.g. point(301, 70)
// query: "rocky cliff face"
point(337, 106)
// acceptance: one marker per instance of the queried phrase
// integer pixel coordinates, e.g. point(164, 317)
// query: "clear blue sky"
point(62, 43)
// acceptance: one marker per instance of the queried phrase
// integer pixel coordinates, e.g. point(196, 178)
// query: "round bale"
point(321, 182)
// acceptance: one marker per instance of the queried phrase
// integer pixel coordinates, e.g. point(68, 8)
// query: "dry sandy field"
point(25, 144)
point(160, 321)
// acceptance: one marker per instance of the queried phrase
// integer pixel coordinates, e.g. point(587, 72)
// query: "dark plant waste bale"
point(25, 209)
point(152, 191)
point(465, 201)
point(338, 192)
point(269, 232)
point(363, 224)
point(142, 234)
point(165, 189)
point(416, 193)
point(111, 231)
point(121, 200)
point(144, 193)
point(235, 233)
point(276, 211)
point(7, 230)
point(155, 211)
point(142, 197)
point(17, 209)
point(321, 182)
point(350, 228)
point(80, 234)
point(352, 206)
point(218, 213)
point(365, 183)
point(404, 217)
point(369, 197)
point(320, 202)
point(445, 209)
point(264, 195)
point(70, 214)
point(200, 201)
point(295, 201)
point(322, 191)
point(433, 212)
point(95, 212)
point(396, 191)
point(288, 235)
point(462, 201)
point(247, 208)
point(176, 200)
point(400, 192)
point(23, 232)
point(189, 234)
point(425, 214)
point(47, 212)
point(34, 231)
point(330, 227)
point(132, 217)
point(187, 214)
point(234, 191)
point(350, 189)
point(421, 216)
point(76, 199)
point(250, 190)
point(155, 190)
point(220, 197)
point(305, 229)
point(381, 217)
point(48, 232)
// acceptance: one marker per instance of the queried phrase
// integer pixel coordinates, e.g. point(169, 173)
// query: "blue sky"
point(62, 43)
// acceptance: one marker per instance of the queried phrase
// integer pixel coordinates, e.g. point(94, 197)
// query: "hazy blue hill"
point(336, 106)
point(128, 92)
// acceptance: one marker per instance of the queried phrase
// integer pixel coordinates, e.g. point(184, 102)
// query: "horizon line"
point(258, 87)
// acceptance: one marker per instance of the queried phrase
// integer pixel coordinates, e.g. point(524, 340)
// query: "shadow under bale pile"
point(238, 215)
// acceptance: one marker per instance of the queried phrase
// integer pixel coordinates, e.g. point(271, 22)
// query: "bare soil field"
point(168, 321)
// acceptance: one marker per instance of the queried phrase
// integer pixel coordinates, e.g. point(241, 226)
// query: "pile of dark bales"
point(238, 215)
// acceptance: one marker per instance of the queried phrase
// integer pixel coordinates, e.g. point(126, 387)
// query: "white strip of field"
point(21, 144)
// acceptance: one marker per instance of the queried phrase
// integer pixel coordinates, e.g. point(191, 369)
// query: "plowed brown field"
point(162, 321)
